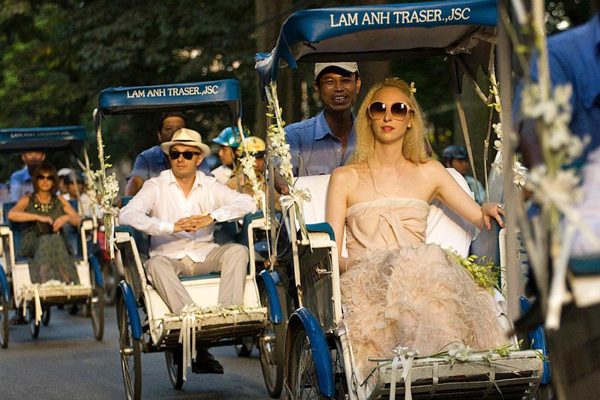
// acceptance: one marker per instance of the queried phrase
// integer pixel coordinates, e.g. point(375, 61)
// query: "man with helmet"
point(238, 181)
point(228, 142)
point(456, 157)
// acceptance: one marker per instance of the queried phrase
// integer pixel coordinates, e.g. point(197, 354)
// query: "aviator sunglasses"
point(378, 109)
point(174, 154)
point(45, 177)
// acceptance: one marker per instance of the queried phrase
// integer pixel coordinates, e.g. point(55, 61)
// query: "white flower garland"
point(554, 187)
point(248, 162)
point(107, 186)
point(280, 149)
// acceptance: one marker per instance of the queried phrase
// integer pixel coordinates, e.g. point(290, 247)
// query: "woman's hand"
point(43, 218)
point(60, 222)
point(492, 210)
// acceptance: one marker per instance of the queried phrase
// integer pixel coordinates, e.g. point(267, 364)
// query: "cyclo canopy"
point(130, 100)
point(18, 140)
point(463, 29)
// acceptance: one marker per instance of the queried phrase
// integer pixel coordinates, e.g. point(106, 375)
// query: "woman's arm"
point(18, 213)
point(340, 184)
point(450, 192)
point(70, 215)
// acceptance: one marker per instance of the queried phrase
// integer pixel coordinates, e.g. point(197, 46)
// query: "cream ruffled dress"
point(405, 292)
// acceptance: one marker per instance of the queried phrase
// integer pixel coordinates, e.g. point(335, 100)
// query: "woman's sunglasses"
point(174, 155)
point(45, 177)
point(378, 109)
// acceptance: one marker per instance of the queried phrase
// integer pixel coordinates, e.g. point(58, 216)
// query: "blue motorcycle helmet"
point(228, 138)
point(454, 152)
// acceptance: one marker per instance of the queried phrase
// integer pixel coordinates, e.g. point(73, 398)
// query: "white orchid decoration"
point(247, 162)
point(107, 187)
point(554, 184)
point(279, 149)
point(461, 353)
point(278, 146)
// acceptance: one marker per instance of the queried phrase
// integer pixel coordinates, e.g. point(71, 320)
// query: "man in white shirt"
point(179, 208)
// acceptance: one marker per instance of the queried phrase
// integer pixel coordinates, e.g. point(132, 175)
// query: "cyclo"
point(145, 322)
point(318, 361)
point(17, 290)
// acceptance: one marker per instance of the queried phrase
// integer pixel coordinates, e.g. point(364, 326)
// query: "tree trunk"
point(266, 39)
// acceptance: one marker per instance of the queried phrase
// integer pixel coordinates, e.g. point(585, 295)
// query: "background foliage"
point(56, 57)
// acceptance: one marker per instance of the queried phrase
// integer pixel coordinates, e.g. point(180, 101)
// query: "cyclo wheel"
point(34, 326)
point(301, 372)
point(46, 315)
point(271, 345)
point(130, 349)
point(4, 322)
point(111, 276)
point(175, 367)
point(95, 306)
point(339, 376)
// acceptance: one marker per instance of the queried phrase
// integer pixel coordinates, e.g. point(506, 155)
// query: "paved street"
point(66, 362)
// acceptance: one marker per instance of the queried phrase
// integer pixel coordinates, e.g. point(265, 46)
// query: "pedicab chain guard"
point(97, 272)
point(132, 310)
point(276, 316)
point(320, 350)
point(4, 285)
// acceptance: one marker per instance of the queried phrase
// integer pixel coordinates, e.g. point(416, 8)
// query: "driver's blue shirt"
point(574, 57)
point(150, 163)
point(21, 183)
point(315, 149)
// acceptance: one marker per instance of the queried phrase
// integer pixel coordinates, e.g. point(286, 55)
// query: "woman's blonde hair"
point(413, 148)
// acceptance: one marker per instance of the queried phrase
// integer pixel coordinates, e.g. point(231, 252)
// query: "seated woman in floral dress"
point(396, 289)
point(44, 243)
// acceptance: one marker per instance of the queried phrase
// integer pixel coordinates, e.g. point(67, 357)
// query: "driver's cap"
point(350, 67)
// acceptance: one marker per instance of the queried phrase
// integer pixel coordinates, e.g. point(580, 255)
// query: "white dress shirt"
point(222, 173)
point(161, 202)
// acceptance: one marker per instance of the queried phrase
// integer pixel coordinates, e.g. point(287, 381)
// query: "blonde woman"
point(396, 289)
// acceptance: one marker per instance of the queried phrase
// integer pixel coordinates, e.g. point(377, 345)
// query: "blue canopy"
point(372, 33)
point(183, 96)
point(60, 137)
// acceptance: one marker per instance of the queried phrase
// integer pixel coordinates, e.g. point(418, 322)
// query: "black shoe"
point(205, 363)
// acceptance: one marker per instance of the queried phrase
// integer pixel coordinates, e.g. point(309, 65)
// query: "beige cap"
point(351, 67)
point(186, 137)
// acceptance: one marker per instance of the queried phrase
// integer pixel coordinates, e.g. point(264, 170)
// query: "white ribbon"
point(37, 302)
point(296, 196)
point(407, 357)
point(187, 335)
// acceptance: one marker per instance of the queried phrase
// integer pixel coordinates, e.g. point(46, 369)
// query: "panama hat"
point(186, 137)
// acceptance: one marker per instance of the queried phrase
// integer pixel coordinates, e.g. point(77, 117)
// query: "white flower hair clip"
point(412, 88)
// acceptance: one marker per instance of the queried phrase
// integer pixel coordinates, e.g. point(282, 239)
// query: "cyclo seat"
point(444, 227)
point(73, 234)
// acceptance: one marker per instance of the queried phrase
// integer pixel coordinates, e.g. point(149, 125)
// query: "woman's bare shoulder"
point(432, 168)
point(345, 173)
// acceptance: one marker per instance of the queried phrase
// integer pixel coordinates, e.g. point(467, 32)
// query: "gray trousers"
point(231, 260)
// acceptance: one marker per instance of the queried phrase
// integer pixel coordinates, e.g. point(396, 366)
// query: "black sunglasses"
point(378, 109)
point(174, 154)
point(47, 177)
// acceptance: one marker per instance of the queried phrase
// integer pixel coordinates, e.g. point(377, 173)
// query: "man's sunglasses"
point(174, 155)
point(378, 109)
point(45, 177)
